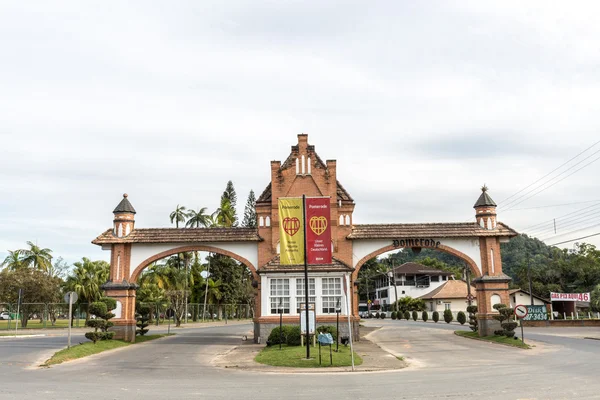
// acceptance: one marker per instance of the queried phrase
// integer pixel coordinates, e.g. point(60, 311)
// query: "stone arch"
point(446, 249)
point(138, 270)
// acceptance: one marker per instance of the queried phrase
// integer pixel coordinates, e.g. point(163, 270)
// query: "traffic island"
point(507, 341)
point(295, 357)
point(89, 348)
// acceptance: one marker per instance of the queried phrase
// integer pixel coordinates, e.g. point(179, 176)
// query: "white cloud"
point(420, 104)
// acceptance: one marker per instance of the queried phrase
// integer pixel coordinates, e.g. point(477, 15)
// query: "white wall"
point(266, 292)
point(524, 299)
point(143, 251)
point(468, 246)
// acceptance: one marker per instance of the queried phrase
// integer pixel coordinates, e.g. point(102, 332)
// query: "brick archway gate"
point(305, 173)
point(478, 248)
point(135, 249)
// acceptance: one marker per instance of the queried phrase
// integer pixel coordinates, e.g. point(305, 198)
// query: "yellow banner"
point(291, 231)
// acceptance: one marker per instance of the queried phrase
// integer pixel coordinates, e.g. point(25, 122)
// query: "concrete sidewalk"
point(374, 359)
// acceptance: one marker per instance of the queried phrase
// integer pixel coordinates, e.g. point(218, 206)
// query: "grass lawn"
point(36, 324)
point(496, 339)
point(295, 356)
point(89, 348)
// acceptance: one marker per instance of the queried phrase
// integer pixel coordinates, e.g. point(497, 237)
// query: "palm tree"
point(13, 261)
point(178, 215)
point(198, 218)
point(225, 214)
point(213, 291)
point(86, 279)
point(39, 258)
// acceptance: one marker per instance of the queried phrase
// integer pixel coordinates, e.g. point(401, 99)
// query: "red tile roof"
point(431, 230)
point(181, 235)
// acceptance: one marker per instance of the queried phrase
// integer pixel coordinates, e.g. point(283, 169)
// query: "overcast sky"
point(421, 103)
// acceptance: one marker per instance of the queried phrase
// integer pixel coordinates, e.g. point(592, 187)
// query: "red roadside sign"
point(521, 311)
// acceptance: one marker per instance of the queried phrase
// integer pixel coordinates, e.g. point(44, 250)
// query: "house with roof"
point(452, 295)
point(520, 296)
point(409, 279)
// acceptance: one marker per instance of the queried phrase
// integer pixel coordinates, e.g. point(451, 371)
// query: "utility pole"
point(468, 276)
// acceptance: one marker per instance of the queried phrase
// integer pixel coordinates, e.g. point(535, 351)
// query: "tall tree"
point(230, 195)
point(178, 215)
point(86, 279)
point(13, 261)
point(225, 214)
point(36, 257)
point(250, 212)
point(199, 218)
point(38, 289)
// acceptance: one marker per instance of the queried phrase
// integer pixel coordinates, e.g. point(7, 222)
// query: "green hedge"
point(290, 335)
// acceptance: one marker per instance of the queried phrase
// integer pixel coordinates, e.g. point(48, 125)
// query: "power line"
point(570, 226)
point(568, 233)
point(548, 187)
point(553, 205)
point(572, 240)
point(563, 224)
point(550, 173)
point(561, 217)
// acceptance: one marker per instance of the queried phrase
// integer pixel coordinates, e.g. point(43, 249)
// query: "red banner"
point(318, 230)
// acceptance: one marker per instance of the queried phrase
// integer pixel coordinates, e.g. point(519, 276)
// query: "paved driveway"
point(444, 366)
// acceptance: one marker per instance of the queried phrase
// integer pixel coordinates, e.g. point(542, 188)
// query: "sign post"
point(18, 311)
point(521, 312)
point(70, 298)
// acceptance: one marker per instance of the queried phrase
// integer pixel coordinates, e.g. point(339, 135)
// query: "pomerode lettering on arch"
point(416, 242)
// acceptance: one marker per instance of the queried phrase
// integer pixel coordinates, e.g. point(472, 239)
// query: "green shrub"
point(407, 315)
point(448, 317)
point(328, 329)
point(276, 338)
point(425, 316)
point(293, 335)
point(377, 314)
point(461, 317)
point(100, 322)
point(142, 318)
point(382, 315)
point(472, 310)
point(509, 328)
point(394, 315)
point(415, 315)
point(436, 316)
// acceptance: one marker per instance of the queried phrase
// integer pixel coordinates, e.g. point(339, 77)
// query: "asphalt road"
point(443, 365)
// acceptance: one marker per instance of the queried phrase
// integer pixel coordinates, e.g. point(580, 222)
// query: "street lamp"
point(338, 309)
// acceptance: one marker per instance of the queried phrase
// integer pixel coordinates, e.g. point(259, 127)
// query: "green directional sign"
point(536, 313)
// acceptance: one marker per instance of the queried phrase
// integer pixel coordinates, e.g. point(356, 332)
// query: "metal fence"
point(56, 315)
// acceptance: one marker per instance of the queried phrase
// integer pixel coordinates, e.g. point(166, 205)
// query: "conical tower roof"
point(124, 206)
point(485, 199)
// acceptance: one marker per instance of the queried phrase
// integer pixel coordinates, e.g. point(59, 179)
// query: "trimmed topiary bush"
point(448, 317)
point(101, 322)
point(461, 317)
point(415, 315)
point(142, 318)
point(472, 310)
point(406, 315)
point(436, 316)
point(425, 316)
point(377, 315)
point(382, 315)
point(394, 315)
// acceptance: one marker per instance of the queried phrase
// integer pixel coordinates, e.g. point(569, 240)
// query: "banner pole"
point(306, 279)
point(348, 289)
